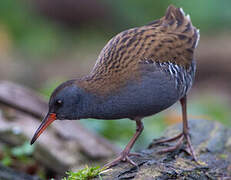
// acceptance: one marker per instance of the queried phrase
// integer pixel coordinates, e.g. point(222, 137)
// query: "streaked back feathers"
point(172, 38)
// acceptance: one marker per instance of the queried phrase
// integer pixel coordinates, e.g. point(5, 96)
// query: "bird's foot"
point(124, 157)
point(181, 138)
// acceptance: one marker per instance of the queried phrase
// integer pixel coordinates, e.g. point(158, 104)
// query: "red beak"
point(50, 117)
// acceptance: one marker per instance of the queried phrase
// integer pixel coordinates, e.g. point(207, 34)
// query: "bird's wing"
point(169, 39)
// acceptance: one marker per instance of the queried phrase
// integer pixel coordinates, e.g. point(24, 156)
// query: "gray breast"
point(161, 85)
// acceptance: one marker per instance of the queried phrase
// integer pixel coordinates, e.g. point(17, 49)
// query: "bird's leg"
point(183, 102)
point(124, 155)
point(182, 136)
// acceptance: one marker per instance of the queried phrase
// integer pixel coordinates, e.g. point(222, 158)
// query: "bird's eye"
point(59, 102)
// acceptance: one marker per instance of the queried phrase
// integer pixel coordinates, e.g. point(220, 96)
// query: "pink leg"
point(124, 155)
point(182, 136)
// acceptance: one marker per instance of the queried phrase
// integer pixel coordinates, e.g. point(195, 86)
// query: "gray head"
point(68, 101)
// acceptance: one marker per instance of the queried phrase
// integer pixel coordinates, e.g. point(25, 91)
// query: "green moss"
point(20, 153)
point(223, 156)
point(84, 174)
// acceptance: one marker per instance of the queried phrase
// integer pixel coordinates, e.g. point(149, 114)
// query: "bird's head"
point(66, 102)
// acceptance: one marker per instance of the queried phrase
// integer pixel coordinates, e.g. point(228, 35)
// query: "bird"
point(140, 72)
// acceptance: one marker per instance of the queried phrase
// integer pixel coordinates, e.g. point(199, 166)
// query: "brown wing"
point(171, 38)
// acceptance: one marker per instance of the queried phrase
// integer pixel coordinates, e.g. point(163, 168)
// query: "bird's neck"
point(91, 101)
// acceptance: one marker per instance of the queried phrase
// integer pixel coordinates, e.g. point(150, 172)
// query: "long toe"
point(180, 139)
point(173, 148)
point(190, 147)
point(134, 154)
point(123, 157)
point(169, 139)
point(113, 163)
point(130, 161)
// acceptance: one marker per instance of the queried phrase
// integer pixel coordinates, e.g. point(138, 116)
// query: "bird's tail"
point(176, 21)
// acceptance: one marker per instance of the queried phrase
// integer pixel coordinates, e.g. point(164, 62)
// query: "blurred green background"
point(45, 42)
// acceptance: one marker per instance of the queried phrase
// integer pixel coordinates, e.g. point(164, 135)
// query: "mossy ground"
point(84, 174)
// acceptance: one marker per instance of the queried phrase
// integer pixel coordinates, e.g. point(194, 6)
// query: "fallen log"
point(212, 143)
point(9, 174)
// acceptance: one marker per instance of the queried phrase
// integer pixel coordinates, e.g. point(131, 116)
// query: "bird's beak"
point(50, 117)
